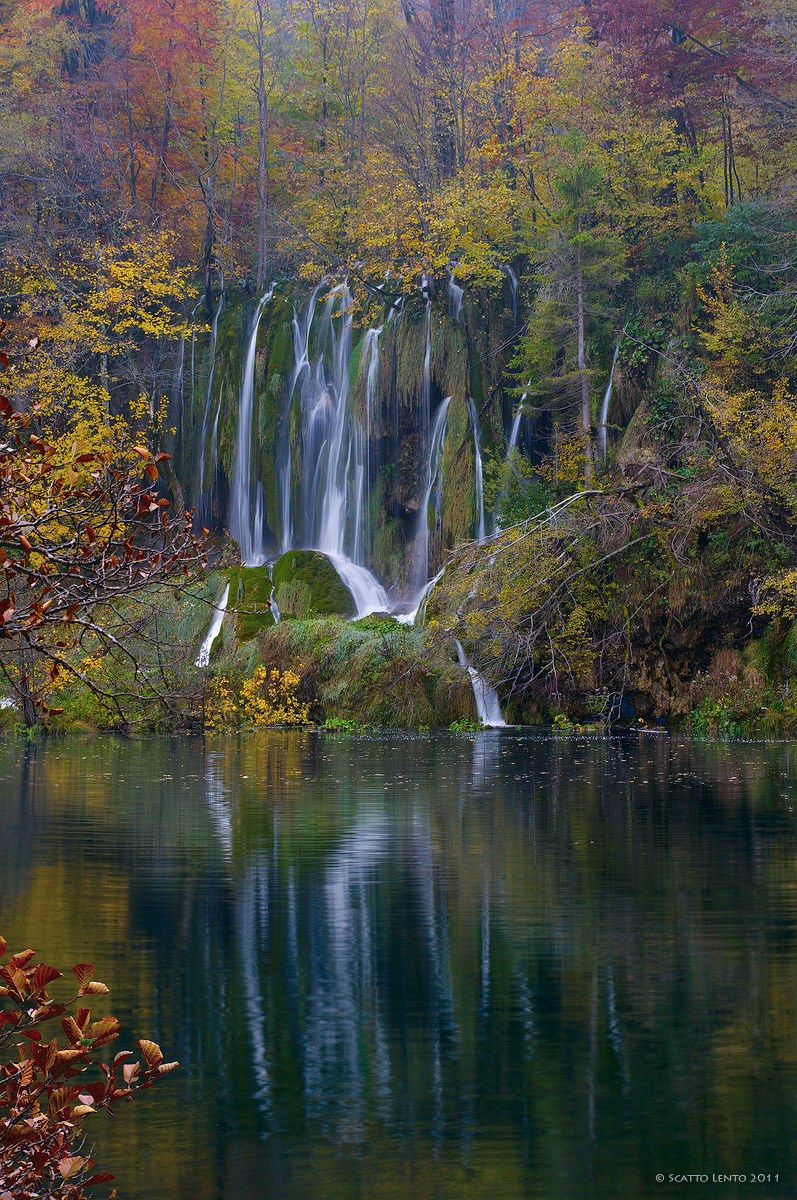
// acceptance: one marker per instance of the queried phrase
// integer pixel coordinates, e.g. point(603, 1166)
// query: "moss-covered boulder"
point(305, 582)
point(250, 590)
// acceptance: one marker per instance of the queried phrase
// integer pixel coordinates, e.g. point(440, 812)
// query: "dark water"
point(449, 967)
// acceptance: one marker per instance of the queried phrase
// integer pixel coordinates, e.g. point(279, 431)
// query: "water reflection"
point(496, 965)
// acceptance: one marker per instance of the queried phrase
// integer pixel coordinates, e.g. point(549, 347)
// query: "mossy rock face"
point(251, 588)
point(328, 594)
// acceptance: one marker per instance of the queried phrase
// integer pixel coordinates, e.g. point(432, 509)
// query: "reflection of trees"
point(533, 946)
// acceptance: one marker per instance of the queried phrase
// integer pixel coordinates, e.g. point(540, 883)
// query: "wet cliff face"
point(391, 373)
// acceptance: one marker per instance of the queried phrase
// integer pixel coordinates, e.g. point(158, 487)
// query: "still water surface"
point(442, 967)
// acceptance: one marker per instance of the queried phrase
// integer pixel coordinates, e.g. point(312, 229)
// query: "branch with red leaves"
point(48, 1088)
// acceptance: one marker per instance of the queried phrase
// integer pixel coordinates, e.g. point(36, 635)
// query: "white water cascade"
point(456, 294)
point(607, 399)
point(481, 533)
point(515, 431)
point(247, 533)
point(488, 705)
point(203, 658)
point(433, 493)
point(334, 484)
point(203, 497)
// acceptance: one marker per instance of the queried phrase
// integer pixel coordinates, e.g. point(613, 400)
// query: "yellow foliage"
point(268, 698)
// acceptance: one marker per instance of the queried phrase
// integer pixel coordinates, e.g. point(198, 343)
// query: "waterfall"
point(433, 492)
point(203, 658)
point(371, 357)
point(513, 288)
point(515, 431)
point(202, 496)
point(247, 534)
point(333, 453)
point(477, 446)
point(455, 293)
point(487, 703)
point(416, 615)
point(301, 364)
point(607, 399)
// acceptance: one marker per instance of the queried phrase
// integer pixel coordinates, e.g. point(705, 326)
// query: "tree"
point(81, 529)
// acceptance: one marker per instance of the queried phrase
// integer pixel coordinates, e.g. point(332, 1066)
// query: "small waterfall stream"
point(456, 294)
point(433, 493)
point(203, 658)
point(607, 399)
point(488, 705)
point(203, 496)
point(481, 532)
point(247, 533)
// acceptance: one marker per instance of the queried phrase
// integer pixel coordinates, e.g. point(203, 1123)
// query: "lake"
point(440, 966)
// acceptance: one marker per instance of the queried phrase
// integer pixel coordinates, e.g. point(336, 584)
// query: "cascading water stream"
point(334, 485)
point(607, 399)
point(488, 705)
point(301, 365)
point(247, 533)
point(481, 533)
point(456, 294)
point(432, 492)
point(203, 658)
point(515, 431)
point(202, 495)
point(371, 356)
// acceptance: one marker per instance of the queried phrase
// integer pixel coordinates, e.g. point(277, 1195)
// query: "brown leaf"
point(94, 988)
point(152, 1053)
point(142, 450)
point(100, 1177)
point(165, 1068)
point(70, 1166)
point(152, 471)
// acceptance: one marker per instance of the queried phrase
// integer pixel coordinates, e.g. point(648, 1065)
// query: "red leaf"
point(83, 972)
point(101, 1177)
point(152, 471)
point(44, 975)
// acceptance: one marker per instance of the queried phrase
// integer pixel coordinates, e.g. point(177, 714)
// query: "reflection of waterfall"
point(343, 1002)
point(455, 293)
point(248, 534)
point(203, 658)
point(433, 493)
point(481, 529)
point(252, 921)
point(488, 705)
point(607, 399)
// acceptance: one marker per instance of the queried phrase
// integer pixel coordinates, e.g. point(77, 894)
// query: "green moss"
point(373, 672)
point(328, 593)
point(250, 588)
